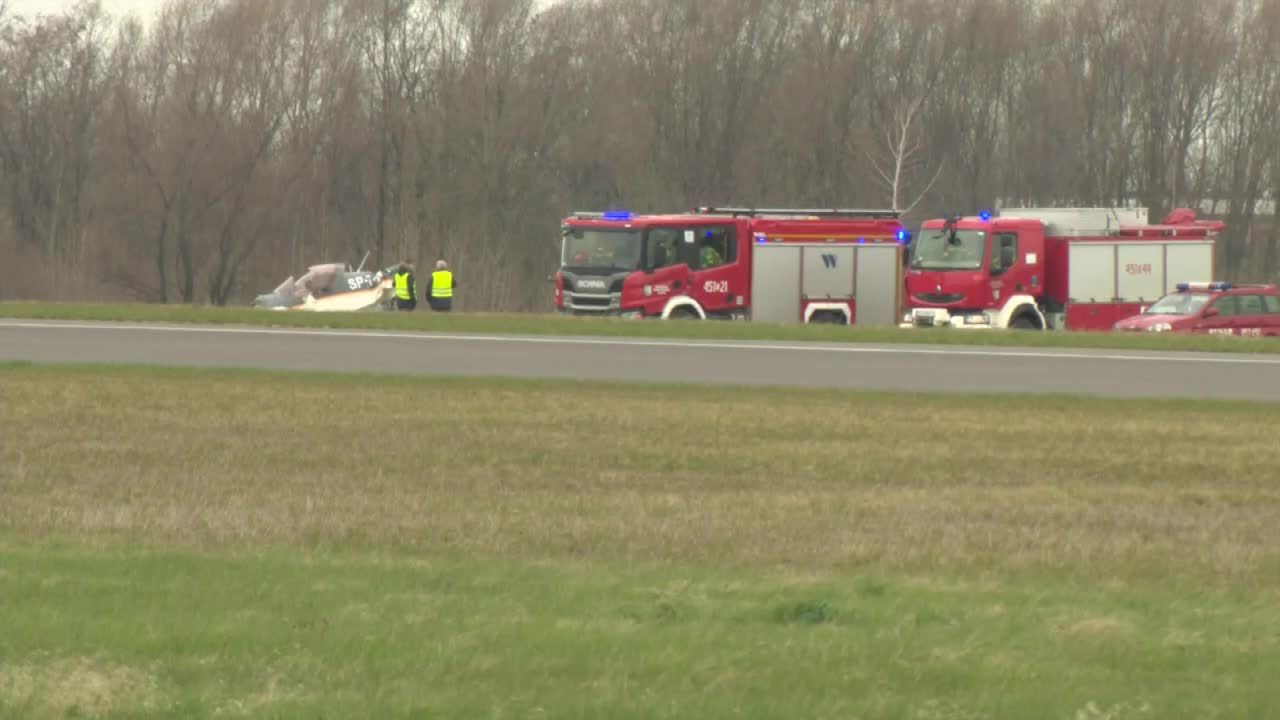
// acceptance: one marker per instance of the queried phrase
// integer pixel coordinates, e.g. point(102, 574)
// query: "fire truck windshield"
point(935, 250)
point(1179, 304)
point(601, 250)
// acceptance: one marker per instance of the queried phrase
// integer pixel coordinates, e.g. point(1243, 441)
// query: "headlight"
point(1160, 327)
point(977, 319)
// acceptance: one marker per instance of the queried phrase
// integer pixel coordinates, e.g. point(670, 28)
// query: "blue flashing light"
point(904, 237)
point(1202, 286)
point(985, 215)
point(862, 240)
point(617, 215)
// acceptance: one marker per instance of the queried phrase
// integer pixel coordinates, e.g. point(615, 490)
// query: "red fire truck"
point(772, 265)
point(1052, 268)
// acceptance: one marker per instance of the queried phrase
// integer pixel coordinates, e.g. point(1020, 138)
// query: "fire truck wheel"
point(1024, 322)
point(683, 313)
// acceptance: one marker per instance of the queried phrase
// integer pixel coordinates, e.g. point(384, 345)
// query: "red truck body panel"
point(1068, 268)
point(648, 288)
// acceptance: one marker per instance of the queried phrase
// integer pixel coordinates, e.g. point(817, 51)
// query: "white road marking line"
point(639, 342)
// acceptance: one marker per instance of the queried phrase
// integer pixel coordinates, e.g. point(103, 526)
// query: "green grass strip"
point(540, 324)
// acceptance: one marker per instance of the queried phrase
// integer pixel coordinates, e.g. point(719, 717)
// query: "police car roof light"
point(1210, 286)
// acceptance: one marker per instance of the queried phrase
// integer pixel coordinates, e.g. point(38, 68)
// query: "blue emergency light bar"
point(1210, 286)
point(985, 215)
point(617, 215)
point(904, 236)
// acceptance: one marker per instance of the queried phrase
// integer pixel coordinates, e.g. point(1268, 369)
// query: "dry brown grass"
point(77, 687)
point(811, 480)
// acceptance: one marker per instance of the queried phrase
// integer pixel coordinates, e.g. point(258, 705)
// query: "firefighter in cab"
point(406, 287)
point(708, 253)
point(441, 287)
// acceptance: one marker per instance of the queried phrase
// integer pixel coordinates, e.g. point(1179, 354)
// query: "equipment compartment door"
point(1188, 262)
point(1140, 272)
point(878, 285)
point(775, 283)
point(1093, 272)
point(828, 273)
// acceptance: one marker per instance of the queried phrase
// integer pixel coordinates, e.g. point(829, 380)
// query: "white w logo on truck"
point(829, 260)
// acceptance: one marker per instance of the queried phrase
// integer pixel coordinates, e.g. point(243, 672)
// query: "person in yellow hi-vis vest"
point(406, 287)
point(440, 288)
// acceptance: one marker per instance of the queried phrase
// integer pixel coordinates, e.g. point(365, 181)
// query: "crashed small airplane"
point(333, 287)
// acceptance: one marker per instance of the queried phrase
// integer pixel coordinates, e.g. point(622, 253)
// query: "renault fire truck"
point(1052, 268)
point(771, 265)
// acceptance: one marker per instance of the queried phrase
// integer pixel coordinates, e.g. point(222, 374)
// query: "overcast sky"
point(117, 8)
point(144, 8)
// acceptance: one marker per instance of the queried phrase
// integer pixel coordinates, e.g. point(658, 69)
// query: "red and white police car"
point(1212, 308)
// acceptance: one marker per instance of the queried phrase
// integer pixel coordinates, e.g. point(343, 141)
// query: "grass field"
point(187, 543)
point(538, 324)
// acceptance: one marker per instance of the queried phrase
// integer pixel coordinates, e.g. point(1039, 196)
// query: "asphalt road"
point(880, 367)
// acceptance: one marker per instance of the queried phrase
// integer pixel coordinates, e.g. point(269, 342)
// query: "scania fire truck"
point(771, 265)
point(1052, 268)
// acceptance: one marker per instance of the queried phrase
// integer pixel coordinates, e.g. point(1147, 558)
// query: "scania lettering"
point(1052, 268)
point(765, 265)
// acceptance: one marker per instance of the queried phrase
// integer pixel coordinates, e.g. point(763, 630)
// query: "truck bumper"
point(940, 317)
point(596, 304)
point(593, 311)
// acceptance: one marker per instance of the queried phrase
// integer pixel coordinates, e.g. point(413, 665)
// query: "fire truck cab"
point(776, 265)
point(1052, 268)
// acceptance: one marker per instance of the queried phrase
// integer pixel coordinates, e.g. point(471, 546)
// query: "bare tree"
point(903, 148)
point(207, 155)
point(50, 96)
point(202, 133)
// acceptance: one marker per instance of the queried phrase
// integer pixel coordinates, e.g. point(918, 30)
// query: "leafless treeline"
point(228, 143)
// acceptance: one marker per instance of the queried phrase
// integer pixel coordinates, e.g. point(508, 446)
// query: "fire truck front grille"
point(939, 298)
point(600, 301)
